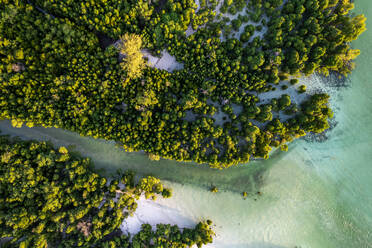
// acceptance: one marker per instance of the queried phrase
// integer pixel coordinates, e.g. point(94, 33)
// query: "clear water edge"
point(315, 195)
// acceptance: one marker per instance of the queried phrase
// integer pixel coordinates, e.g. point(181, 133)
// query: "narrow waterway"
point(319, 194)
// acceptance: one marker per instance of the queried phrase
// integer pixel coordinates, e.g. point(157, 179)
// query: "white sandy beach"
point(156, 212)
point(161, 211)
point(167, 211)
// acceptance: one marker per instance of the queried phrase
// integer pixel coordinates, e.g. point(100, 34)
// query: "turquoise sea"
point(318, 194)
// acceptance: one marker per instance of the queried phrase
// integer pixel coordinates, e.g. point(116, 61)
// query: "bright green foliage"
point(172, 237)
point(133, 62)
point(315, 114)
point(214, 189)
point(165, 236)
point(153, 157)
point(59, 72)
point(50, 198)
point(158, 21)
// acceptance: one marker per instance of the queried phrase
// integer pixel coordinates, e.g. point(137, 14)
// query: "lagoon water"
point(319, 194)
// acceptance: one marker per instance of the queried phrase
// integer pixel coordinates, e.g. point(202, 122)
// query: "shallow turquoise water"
point(315, 195)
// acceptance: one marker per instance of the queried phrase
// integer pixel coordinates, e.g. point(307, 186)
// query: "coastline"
point(155, 212)
point(312, 196)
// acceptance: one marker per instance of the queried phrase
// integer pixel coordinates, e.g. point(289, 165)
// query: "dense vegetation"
point(56, 70)
point(51, 198)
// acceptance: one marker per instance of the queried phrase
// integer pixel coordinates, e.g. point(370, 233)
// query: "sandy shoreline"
point(156, 212)
point(161, 210)
point(153, 213)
